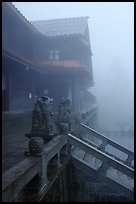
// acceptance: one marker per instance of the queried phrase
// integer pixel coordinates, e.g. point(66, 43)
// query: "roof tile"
point(59, 27)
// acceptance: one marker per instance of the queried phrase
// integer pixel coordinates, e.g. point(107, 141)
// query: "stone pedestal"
point(64, 128)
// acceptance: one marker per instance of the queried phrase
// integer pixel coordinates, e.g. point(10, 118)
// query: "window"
point(51, 55)
point(54, 55)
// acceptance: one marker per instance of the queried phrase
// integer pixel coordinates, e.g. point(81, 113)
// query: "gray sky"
point(111, 27)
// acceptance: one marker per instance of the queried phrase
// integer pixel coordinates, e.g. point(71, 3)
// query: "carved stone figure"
point(64, 113)
point(46, 113)
point(42, 115)
point(37, 116)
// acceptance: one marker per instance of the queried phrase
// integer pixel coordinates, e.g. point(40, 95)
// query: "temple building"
point(47, 57)
point(73, 162)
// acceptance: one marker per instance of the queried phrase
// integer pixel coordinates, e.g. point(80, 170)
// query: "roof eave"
point(21, 17)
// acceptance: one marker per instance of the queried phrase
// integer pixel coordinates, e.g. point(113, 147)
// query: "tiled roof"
point(59, 27)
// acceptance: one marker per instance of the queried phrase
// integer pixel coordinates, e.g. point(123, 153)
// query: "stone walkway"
point(14, 143)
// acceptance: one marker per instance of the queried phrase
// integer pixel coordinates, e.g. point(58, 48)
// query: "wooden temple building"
point(48, 57)
point(54, 58)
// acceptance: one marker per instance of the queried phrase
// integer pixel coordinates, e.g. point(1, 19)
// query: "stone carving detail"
point(42, 113)
point(64, 114)
point(36, 146)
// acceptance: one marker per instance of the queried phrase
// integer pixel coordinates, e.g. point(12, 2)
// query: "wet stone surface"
point(14, 144)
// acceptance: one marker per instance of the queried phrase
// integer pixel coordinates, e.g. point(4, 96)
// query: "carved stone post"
point(129, 159)
point(64, 128)
point(43, 174)
point(77, 127)
point(59, 164)
point(103, 145)
point(68, 147)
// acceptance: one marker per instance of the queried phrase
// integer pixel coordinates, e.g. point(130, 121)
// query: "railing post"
point(68, 147)
point(129, 159)
point(59, 164)
point(43, 173)
point(103, 145)
point(77, 127)
point(102, 170)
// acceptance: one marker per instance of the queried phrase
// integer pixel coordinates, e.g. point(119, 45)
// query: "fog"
point(111, 27)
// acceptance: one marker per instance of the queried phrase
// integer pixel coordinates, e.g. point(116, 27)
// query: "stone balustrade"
point(15, 179)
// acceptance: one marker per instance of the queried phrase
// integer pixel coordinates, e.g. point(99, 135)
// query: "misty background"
point(111, 27)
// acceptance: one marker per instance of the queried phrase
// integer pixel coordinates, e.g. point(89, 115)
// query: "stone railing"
point(106, 141)
point(88, 115)
point(17, 177)
point(129, 133)
point(85, 155)
point(76, 142)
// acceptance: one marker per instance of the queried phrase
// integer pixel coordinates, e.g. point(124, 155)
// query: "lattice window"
point(54, 55)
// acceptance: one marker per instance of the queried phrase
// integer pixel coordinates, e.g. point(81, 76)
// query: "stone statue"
point(42, 115)
point(46, 113)
point(37, 116)
point(64, 113)
point(41, 131)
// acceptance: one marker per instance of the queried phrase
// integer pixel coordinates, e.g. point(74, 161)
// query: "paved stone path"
point(14, 143)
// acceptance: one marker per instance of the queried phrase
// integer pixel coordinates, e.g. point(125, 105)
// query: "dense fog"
point(111, 27)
